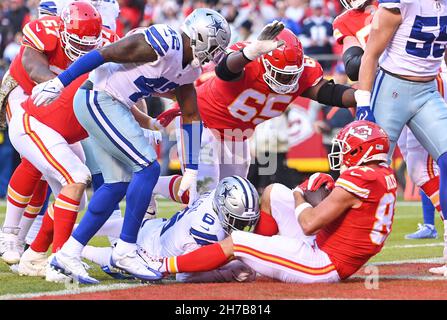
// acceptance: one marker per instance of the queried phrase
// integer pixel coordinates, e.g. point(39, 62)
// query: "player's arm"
point(352, 56)
point(36, 65)
point(331, 94)
point(383, 27)
point(232, 66)
point(333, 206)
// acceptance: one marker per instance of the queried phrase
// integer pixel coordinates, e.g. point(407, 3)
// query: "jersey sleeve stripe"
point(151, 40)
point(352, 188)
point(159, 38)
point(202, 238)
point(32, 38)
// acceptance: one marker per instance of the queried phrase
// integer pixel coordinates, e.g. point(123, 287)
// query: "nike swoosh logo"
point(207, 229)
point(355, 174)
point(37, 28)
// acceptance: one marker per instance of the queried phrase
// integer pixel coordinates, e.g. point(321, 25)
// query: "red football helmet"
point(357, 143)
point(80, 29)
point(284, 65)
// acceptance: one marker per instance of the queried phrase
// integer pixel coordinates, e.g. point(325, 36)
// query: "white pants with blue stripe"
point(397, 102)
point(117, 139)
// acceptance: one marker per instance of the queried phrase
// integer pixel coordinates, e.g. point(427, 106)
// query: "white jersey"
point(129, 82)
point(417, 48)
point(108, 9)
point(187, 230)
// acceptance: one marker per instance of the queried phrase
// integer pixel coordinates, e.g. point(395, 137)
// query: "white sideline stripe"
point(425, 260)
point(397, 277)
point(98, 288)
point(404, 246)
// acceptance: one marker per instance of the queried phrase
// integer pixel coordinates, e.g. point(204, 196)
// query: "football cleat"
point(11, 247)
point(52, 275)
point(116, 273)
point(439, 270)
point(425, 231)
point(71, 267)
point(134, 264)
point(33, 263)
point(151, 211)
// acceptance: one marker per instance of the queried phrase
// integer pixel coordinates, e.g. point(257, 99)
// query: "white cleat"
point(134, 264)
point(52, 275)
point(442, 271)
point(11, 247)
point(72, 267)
point(33, 263)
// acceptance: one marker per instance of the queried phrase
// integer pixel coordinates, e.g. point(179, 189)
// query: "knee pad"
point(82, 174)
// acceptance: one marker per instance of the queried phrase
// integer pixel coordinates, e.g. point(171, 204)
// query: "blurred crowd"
point(310, 20)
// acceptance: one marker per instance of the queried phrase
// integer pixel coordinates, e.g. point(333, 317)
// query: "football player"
point(326, 243)
point(407, 41)
point(249, 88)
point(108, 9)
point(153, 59)
point(210, 219)
point(49, 45)
point(351, 29)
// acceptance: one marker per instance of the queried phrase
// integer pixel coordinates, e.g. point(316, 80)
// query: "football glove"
point(189, 182)
point(265, 42)
point(363, 112)
point(166, 117)
point(46, 92)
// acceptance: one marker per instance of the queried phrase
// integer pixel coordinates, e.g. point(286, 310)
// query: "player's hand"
point(189, 182)
point(46, 92)
point(166, 117)
point(265, 42)
point(316, 180)
point(153, 136)
point(363, 112)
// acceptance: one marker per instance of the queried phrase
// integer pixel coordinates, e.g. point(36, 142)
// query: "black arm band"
point(224, 73)
point(331, 94)
point(352, 58)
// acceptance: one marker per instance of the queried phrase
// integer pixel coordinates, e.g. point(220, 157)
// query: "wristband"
point(301, 208)
point(362, 97)
point(84, 64)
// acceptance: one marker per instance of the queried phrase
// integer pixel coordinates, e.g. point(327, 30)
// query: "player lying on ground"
point(208, 220)
point(407, 42)
point(351, 29)
point(327, 243)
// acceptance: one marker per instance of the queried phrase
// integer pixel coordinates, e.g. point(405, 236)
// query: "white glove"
point(155, 124)
point(154, 137)
point(265, 42)
point(189, 182)
point(46, 92)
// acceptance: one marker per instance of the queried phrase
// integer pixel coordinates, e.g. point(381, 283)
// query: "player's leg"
point(392, 105)
point(113, 127)
point(424, 173)
point(168, 186)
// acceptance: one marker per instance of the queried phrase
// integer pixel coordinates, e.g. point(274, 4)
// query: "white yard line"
point(98, 288)
point(404, 246)
point(404, 277)
point(425, 260)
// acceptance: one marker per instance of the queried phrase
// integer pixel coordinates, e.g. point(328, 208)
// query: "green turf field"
point(396, 248)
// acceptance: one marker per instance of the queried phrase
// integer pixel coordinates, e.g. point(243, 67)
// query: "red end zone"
point(396, 281)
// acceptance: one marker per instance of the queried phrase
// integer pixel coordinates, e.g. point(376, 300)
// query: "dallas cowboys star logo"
point(216, 25)
point(226, 191)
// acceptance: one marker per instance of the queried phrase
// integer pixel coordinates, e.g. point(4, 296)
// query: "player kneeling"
point(325, 243)
point(233, 205)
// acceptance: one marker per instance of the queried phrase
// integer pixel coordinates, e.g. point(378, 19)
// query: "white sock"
point(13, 215)
point(98, 255)
point(123, 247)
point(24, 225)
point(72, 247)
point(34, 230)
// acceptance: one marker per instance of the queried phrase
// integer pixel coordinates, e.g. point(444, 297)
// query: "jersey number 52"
point(428, 43)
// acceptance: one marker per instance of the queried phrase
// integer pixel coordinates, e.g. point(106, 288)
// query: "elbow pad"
point(331, 94)
point(224, 73)
point(352, 59)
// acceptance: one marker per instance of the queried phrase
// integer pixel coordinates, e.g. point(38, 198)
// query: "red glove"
point(316, 180)
point(166, 117)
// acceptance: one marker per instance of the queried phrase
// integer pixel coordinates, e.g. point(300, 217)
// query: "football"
point(315, 197)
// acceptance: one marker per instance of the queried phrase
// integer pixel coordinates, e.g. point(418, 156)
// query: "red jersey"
point(245, 103)
point(355, 23)
point(43, 35)
point(359, 234)
point(59, 115)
